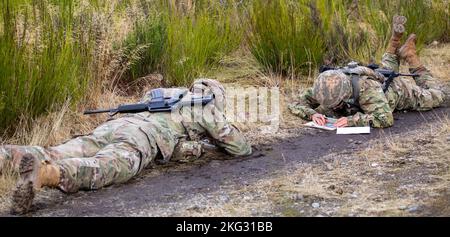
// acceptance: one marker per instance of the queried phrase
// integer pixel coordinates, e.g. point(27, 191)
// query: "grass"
point(59, 57)
point(52, 51)
point(435, 58)
point(143, 48)
point(41, 67)
point(286, 36)
point(197, 43)
point(7, 183)
point(282, 36)
point(52, 129)
point(179, 45)
point(352, 185)
point(423, 17)
point(271, 192)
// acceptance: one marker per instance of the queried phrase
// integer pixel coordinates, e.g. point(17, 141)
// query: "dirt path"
point(174, 191)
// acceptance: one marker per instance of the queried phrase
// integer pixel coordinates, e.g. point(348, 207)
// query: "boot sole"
point(399, 29)
point(24, 193)
point(400, 20)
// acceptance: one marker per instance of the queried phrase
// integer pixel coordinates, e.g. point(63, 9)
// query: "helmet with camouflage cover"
point(176, 93)
point(206, 86)
point(331, 88)
point(166, 92)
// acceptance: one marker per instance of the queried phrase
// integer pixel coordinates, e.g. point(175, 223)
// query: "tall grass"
point(143, 48)
point(196, 43)
point(427, 19)
point(43, 61)
point(182, 45)
point(440, 21)
point(283, 37)
point(51, 51)
point(286, 35)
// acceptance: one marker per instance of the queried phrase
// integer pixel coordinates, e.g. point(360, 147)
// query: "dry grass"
point(403, 176)
point(367, 184)
point(110, 26)
point(310, 181)
point(401, 181)
point(437, 59)
point(7, 183)
point(240, 70)
point(61, 125)
point(55, 128)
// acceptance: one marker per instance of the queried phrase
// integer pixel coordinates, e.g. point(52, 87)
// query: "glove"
point(186, 151)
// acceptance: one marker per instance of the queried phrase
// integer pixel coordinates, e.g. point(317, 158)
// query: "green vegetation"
point(144, 46)
point(44, 59)
point(197, 43)
point(287, 35)
point(54, 51)
point(283, 36)
point(182, 46)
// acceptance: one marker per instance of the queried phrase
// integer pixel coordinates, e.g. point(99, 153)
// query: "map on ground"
point(340, 131)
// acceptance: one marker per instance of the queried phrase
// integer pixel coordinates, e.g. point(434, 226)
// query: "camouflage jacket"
point(190, 123)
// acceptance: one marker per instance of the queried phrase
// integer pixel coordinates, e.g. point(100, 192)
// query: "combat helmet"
point(331, 88)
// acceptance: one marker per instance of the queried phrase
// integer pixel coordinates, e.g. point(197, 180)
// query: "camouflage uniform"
point(121, 148)
point(376, 107)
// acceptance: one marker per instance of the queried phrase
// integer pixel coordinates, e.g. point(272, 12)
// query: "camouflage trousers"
point(421, 93)
point(115, 152)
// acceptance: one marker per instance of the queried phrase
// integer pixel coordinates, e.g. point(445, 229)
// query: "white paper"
point(327, 126)
point(353, 130)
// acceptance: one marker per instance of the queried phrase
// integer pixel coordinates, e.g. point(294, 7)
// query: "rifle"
point(389, 74)
point(158, 103)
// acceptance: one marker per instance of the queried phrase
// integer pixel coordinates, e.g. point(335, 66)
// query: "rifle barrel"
point(96, 111)
point(408, 75)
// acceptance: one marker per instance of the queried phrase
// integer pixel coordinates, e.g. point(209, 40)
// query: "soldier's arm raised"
point(376, 109)
point(305, 106)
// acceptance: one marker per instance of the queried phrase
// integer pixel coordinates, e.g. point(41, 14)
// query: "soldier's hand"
point(342, 122)
point(319, 119)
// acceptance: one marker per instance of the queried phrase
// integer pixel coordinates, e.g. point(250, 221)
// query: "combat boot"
point(398, 29)
point(408, 53)
point(11, 155)
point(34, 175)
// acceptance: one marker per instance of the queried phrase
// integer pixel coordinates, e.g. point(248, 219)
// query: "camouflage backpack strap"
point(356, 89)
